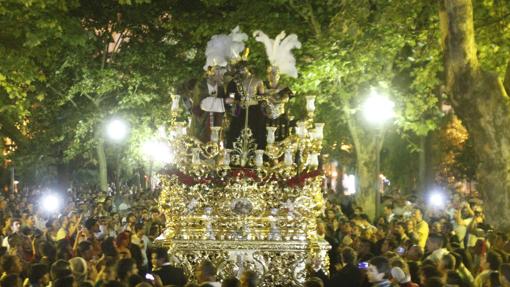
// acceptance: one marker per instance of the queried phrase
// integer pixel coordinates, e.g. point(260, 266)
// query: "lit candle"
point(319, 131)
point(259, 157)
point(270, 135)
point(226, 157)
point(195, 156)
point(300, 129)
point(310, 104)
point(215, 134)
point(175, 103)
point(313, 159)
point(288, 159)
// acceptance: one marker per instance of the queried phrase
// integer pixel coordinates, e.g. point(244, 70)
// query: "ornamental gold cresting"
point(244, 190)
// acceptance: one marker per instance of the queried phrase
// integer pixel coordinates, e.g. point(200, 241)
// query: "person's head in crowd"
point(134, 280)
point(125, 268)
point(433, 282)
point(453, 278)
point(12, 280)
point(491, 261)
point(436, 227)
point(109, 248)
point(434, 242)
point(494, 279)
point(400, 263)
point(231, 282)
point(86, 250)
point(15, 225)
point(64, 249)
point(398, 276)
point(388, 245)
point(447, 263)
point(52, 225)
point(131, 218)
point(60, 269)
point(108, 271)
point(428, 271)
point(67, 281)
point(159, 257)
point(78, 268)
point(348, 256)
point(314, 282)
point(3, 203)
point(418, 215)
point(39, 275)
point(92, 225)
point(504, 275)
point(123, 240)
point(144, 215)
point(206, 272)
point(330, 215)
point(11, 264)
point(249, 279)
point(48, 251)
point(155, 216)
point(139, 229)
point(378, 270)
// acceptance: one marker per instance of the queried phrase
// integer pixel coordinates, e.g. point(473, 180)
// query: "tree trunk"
point(480, 100)
point(101, 158)
point(367, 143)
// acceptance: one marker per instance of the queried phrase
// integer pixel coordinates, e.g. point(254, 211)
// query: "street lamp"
point(157, 151)
point(377, 108)
point(117, 129)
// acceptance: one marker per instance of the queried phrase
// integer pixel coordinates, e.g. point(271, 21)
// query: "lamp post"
point(117, 131)
point(377, 110)
point(157, 151)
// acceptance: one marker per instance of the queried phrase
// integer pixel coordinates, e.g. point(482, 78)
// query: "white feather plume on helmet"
point(279, 51)
point(222, 48)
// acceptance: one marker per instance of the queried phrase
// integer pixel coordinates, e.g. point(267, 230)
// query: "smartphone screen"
point(363, 265)
point(149, 276)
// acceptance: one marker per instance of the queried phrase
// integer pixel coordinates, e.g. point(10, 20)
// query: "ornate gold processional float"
point(245, 187)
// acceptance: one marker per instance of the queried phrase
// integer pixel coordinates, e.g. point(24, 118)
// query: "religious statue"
point(210, 101)
point(247, 111)
point(282, 62)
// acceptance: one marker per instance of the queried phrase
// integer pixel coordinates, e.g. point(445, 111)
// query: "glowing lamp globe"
point(117, 130)
point(436, 199)
point(378, 108)
point(50, 203)
point(158, 151)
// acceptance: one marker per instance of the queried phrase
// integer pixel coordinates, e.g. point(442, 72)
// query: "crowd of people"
point(105, 239)
point(414, 243)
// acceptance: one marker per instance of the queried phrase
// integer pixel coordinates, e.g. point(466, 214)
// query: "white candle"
point(319, 131)
point(310, 104)
point(300, 129)
point(259, 157)
point(215, 134)
point(175, 103)
point(195, 156)
point(288, 159)
point(270, 135)
point(313, 159)
point(226, 157)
